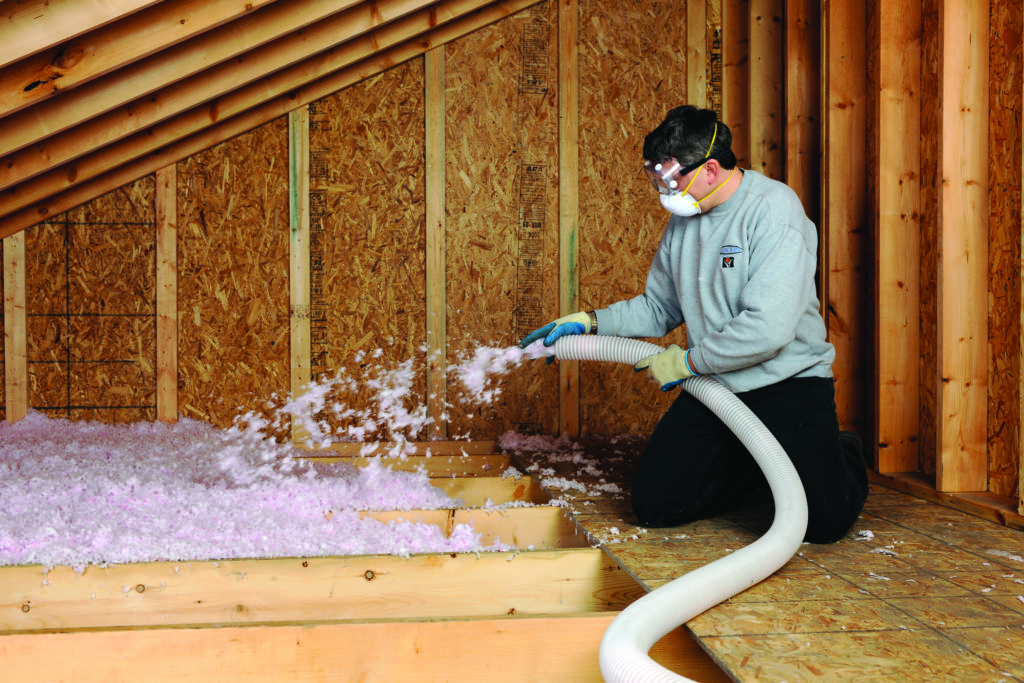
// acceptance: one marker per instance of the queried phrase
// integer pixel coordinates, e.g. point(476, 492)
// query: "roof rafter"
point(134, 156)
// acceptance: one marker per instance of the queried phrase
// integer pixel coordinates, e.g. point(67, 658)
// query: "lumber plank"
point(897, 241)
point(167, 293)
point(696, 53)
point(15, 329)
point(477, 491)
point(526, 528)
point(298, 258)
point(488, 465)
point(766, 76)
point(249, 107)
point(736, 76)
point(844, 204)
point(94, 54)
point(32, 25)
point(568, 203)
point(374, 651)
point(109, 109)
point(452, 447)
point(309, 590)
point(437, 335)
point(963, 295)
point(802, 94)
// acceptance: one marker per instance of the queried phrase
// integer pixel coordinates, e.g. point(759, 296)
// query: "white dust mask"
point(680, 204)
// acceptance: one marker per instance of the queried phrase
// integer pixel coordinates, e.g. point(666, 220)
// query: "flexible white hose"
point(626, 642)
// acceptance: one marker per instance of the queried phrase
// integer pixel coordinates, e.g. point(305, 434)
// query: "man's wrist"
point(593, 321)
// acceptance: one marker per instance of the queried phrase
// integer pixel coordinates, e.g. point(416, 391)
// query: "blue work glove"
point(574, 323)
point(667, 368)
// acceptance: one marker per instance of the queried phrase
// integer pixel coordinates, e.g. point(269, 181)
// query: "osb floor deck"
point(915, 591)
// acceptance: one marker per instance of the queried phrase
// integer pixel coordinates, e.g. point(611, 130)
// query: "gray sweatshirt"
point(741, 277)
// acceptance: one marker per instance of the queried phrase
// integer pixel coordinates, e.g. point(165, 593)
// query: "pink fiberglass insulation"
point(80, 493)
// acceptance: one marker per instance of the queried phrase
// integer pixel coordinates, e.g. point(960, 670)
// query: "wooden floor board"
point(915, 586)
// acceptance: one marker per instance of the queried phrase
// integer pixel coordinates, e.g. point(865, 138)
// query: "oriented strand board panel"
point(632, 71)
point(367, 232)
point(1004, 249)
point(502, 216)
point(233, 275)
point(91, 309)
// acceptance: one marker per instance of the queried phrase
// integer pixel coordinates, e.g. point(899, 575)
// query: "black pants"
point(694, 467)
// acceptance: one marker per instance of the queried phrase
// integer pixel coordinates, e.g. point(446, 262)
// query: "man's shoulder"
point(773, 195)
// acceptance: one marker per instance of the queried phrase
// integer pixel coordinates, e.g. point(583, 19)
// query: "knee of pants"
point(830, 525)
point(654, 511)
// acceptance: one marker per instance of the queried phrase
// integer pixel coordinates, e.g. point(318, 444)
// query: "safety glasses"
point(667, 176)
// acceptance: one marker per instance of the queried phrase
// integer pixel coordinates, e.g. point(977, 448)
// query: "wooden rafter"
point(101, 169)
point(28, 26)
point(80, 60)
point(63, 129)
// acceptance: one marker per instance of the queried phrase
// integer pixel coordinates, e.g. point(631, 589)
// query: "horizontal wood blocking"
point(379, 651)
point(437, 466)
point(524, 528)
point(477, 491)
point(310, 590)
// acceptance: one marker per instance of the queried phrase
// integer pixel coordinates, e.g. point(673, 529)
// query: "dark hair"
point(686, 134)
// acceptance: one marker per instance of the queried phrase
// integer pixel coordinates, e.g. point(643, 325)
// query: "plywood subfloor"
point(915, 591)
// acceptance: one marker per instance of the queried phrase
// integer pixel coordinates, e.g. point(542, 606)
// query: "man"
point(736, 264)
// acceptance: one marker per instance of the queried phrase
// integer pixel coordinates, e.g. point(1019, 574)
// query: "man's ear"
point(713, 169)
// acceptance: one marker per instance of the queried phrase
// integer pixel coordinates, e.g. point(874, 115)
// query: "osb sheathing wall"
point(501, 110)
point(366, 181)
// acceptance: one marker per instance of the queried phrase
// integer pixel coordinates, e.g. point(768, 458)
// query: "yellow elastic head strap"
point(712, 145)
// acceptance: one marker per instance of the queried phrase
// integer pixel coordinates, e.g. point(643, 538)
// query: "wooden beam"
point(15, 329)
point(430, 448)
point(534, 528)
point(844, 203)
point(457, 651)
point(89, 117)
point(78, 61)
point(267, 591)
point(963, 257)
point(476, 491)
point(766, 76)
point(802, 93)
point(434, 466)
point(696, 53)
point(167, 294)
point(30, 26)
point(436, 275)
point(298, 258)
point(736, 76)
point(897, 237)
point(239, 111)
point(568, 202)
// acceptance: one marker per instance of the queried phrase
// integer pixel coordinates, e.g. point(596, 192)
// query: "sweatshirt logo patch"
point(728, 253)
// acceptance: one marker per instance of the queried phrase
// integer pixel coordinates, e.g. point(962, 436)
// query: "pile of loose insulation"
point(80, 493)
